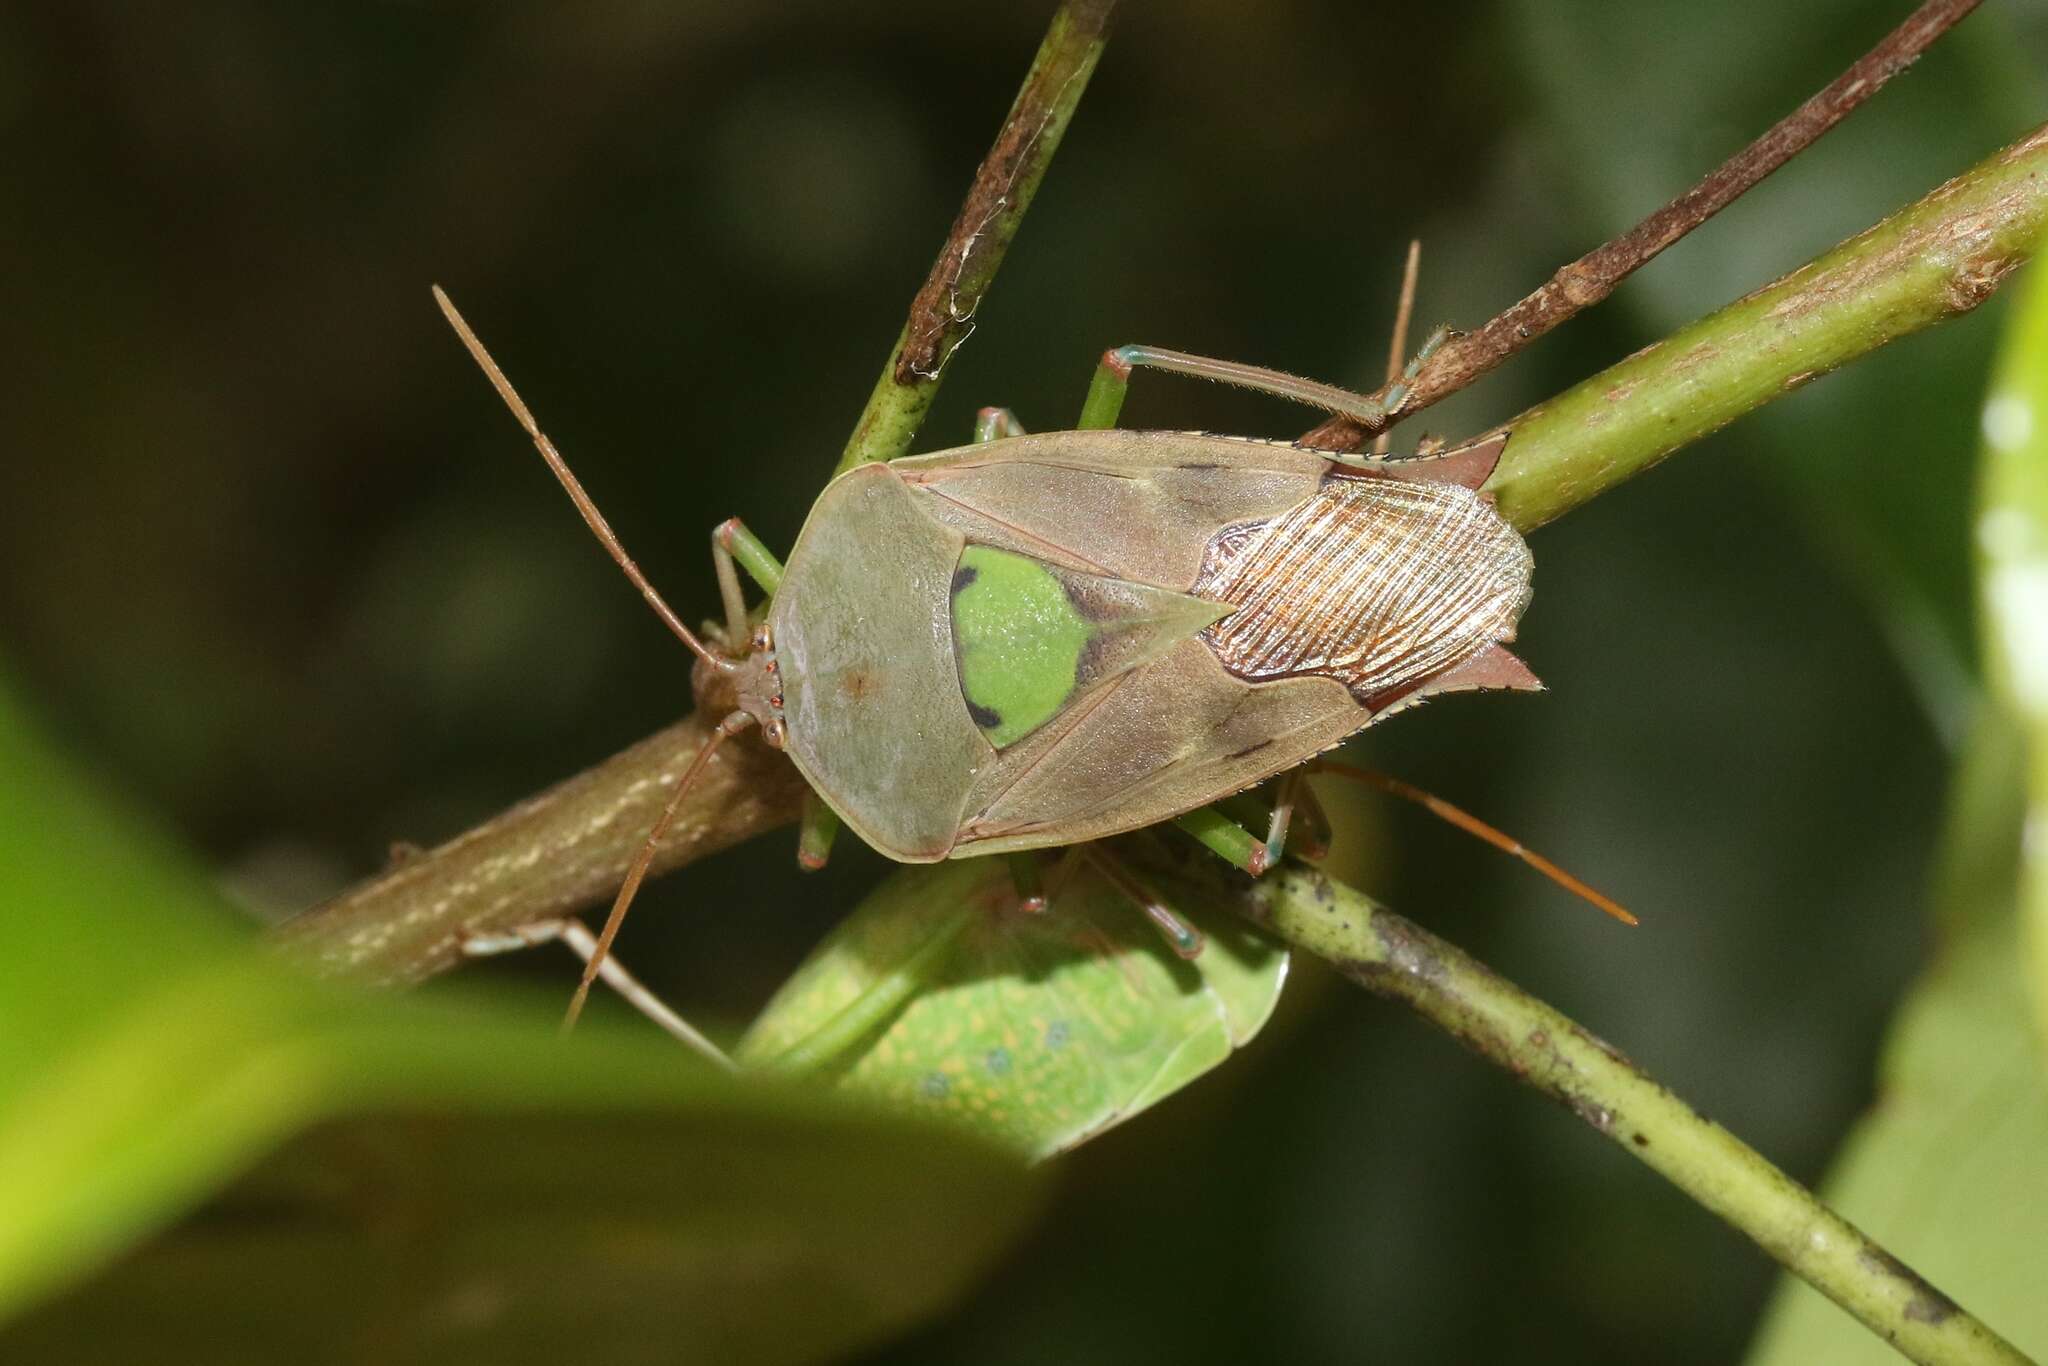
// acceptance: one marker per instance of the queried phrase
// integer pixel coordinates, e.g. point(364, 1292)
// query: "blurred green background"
point(272, 555)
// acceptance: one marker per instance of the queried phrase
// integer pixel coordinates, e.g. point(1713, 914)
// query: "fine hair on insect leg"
point(1404, 312)
point(731, 725)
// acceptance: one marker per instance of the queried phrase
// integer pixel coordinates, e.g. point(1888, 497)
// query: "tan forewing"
point(1137, 505)
point(1159, 741)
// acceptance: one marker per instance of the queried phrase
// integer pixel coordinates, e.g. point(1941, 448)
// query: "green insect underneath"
point(1046, 639)
point(1038, 1030)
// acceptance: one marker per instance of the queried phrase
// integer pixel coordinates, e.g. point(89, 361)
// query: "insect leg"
point(737, 622)
point(1225, 838)
point(1312, 835)
point(1024, 874)
point(1225, 828)
point(1398, 348)
point(816, 829)
point(733, 538)
point(637, 873)
point(1286, 798)
point(577, 937)
point(732, 544)
point(1398, 394)
point(1106, 392)
point(1112, 378)
point(1183, 938)
point(993, 424)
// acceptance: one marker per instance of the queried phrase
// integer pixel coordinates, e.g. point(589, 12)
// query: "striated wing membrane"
point(1379, 583)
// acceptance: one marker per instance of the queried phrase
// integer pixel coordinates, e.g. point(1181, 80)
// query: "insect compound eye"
point(774, 733)
point(763, 639)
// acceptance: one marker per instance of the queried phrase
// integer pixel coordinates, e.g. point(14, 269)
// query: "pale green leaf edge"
point(1950, 1169)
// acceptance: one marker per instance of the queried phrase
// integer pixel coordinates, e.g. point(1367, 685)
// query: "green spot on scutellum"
point(1017, 641)
point(998, 1062)
point(1056, 1035)
point(936, 1086)
point(1029, 637)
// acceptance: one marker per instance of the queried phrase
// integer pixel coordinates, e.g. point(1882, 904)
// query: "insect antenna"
point(637, 873)
point(725, 730)
point(1472, 825)
point(573, 487)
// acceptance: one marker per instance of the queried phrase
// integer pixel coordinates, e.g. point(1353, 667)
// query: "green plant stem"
point(943, 312)
point(1395, 958)
point(1934, 260)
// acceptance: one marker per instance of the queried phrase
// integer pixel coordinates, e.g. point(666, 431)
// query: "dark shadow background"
point(271, 552)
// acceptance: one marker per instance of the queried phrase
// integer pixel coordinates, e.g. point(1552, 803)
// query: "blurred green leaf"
point(520, 1197)
point(939, 996)
point(1948, 1169)
point(734, 1230)
point(2012, 544)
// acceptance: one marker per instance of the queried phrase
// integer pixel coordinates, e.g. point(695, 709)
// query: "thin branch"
point(1595, 275)
point(560, 852)
point(1932, 261)
point(942, 314)
point(1542, 1048)
point(546, 858)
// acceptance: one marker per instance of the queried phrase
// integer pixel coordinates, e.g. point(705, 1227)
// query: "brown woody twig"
point(943, 312)
point(1596, 275)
